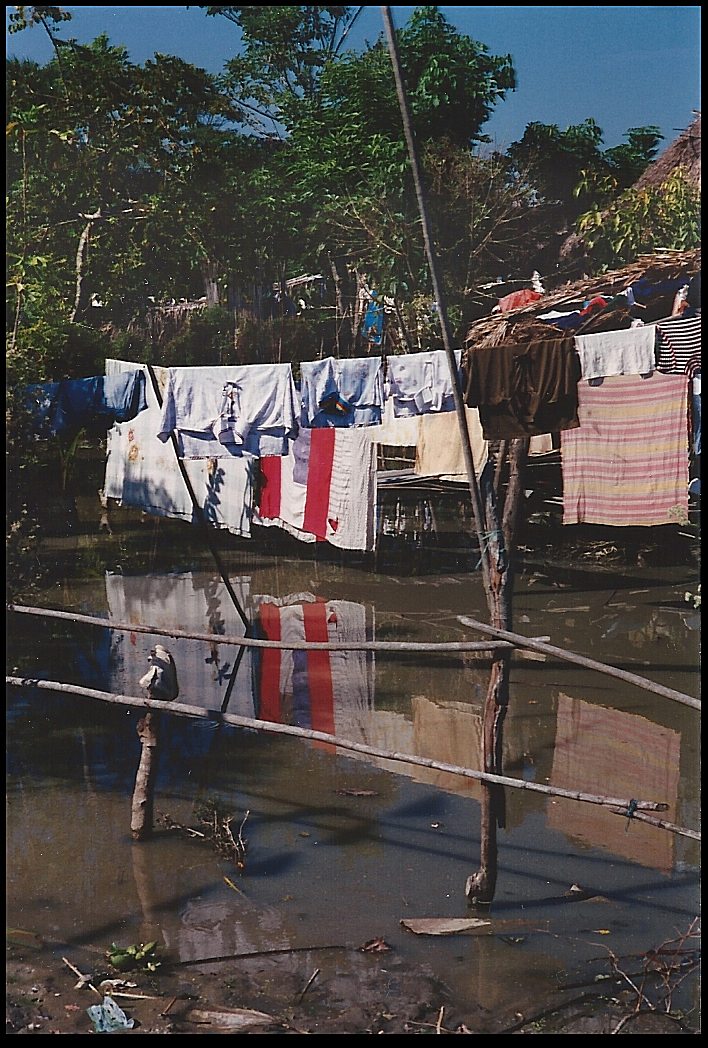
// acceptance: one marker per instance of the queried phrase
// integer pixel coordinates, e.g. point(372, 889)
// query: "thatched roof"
point(521, 325)
point(685, 152)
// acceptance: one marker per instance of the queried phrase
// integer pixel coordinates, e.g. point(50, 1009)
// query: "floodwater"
point(331, 868)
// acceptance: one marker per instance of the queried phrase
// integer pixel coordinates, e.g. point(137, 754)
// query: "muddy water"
point(327, 868)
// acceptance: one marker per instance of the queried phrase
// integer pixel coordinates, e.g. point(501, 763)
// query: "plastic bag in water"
point(108, 1017)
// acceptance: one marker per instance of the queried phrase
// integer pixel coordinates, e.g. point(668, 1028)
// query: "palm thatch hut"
point(522, 325)
point(684, 153)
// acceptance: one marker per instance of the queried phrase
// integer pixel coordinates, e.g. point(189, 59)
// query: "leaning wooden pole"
point(494, 560)
point(475, 495)
point(199, 512)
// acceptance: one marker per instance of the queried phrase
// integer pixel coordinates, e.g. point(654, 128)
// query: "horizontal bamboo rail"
point(581, 660)
point(184, 710)
point(252, 642)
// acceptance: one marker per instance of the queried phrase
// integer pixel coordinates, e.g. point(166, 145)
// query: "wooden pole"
point(141, 816)
point(438, 291)
point(519, 641)
point(181, 709)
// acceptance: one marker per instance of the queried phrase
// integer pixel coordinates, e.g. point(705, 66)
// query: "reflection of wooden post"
point(142, 811)
point(144, 883)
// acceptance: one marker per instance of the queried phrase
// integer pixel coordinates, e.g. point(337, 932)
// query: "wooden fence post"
point(141, 816)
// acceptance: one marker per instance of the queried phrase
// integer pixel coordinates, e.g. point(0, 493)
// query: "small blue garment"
point(72, 404)
point(372, 329)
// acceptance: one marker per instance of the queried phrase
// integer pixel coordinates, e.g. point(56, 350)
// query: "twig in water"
point(232, 885)
point(84, 980)
point(309, 983)
point(440, 1019)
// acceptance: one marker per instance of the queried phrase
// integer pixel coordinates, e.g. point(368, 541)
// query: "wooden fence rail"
point(505, 640)
point(182, 709)
point(580, 660)
point(252, 642)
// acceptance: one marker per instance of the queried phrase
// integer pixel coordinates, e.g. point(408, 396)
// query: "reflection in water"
point(617, 754)
point(591, 748)
point(194, 603)
point(325, 866)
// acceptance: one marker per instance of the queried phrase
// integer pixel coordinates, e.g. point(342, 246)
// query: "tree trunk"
point(211, 285)
point(79, 298)
point(344, 312)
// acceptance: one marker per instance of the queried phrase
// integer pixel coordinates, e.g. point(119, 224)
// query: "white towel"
point(605, 353)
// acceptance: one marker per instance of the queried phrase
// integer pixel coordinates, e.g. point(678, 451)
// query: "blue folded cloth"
point(59, 406)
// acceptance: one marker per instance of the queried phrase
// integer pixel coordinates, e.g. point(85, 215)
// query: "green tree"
point(571, 168)
point(640, 222)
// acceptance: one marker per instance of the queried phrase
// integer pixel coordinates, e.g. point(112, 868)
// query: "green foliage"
point(640, 222)
point(207, 338)
point(570, 167)
point(30, 16)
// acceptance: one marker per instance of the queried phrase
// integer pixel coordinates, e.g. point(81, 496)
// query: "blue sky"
point(623, 66)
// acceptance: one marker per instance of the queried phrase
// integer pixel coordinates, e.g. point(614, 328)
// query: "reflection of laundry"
point(143, 472)
point(419, 383)
point(616, 754)
point(190, 602)
point(328, 691)
point(218, 412)
point(325, 488)
point(628, 461)
point(342, 393)
point(450, 732)
point(60, 406)
point(439, 447)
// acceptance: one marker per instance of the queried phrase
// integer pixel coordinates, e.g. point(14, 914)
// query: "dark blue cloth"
point(60, 406)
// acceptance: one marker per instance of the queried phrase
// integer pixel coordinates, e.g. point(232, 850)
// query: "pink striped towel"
point(628, 461)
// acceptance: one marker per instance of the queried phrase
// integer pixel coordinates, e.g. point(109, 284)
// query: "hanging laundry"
point(577, 319)
point(438, 450)
point(627, 463)
point(605, 353)
point(678, 345)
point(523, 390)
point(396, 432)
point(218, 412)
point(372, 327)
point(324, 489)
point(142, 471)
point(342, 393)
point(328, 691)
point(696, 413)
point(73, 404)
point(419, 383)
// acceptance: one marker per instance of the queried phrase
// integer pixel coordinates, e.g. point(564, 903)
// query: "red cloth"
point(517, 299)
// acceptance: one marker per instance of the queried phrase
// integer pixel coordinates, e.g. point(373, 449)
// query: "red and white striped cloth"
point(324, 489)
point(628, 461)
